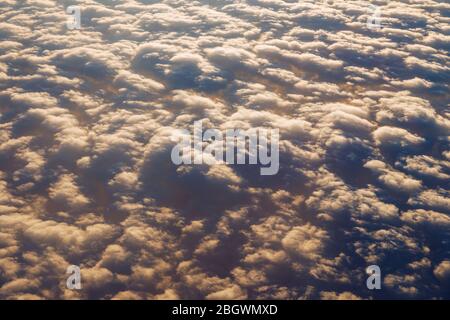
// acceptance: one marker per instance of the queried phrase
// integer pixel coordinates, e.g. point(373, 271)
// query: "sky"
point(359, 91)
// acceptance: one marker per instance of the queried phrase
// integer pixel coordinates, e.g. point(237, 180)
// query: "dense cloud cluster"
point(86, 125)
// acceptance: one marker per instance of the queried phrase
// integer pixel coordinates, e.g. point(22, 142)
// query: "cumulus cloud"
point(87, 124)
point(306, 241)
point(442, 271)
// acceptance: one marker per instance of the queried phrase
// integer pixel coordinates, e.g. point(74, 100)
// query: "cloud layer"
point(87, 116)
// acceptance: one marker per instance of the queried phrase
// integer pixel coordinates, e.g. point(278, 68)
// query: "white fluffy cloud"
point(86, 119)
